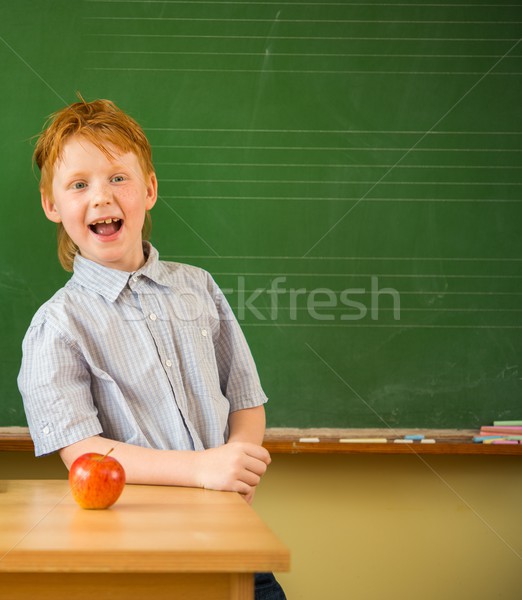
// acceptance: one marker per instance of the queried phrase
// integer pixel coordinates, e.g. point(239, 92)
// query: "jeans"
point(267, 587)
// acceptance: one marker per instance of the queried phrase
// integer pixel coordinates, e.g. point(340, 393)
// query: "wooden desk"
point(154, 543)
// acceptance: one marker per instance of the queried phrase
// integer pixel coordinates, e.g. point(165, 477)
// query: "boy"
point(134, 353)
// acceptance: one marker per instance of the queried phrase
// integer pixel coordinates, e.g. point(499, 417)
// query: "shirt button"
point(135, 278)
point(204, 332)
point(152, 317)
point(168, 363)
point(46, 430)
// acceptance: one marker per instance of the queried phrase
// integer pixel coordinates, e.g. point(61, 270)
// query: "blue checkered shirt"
point(154, 358)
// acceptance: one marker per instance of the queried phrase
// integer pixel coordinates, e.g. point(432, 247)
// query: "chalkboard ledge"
point(327, 441)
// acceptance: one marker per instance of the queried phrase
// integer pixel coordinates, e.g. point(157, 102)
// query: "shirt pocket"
point(197, 359)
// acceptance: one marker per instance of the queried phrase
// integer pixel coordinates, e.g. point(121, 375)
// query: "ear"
point(152, 191)
point(49, 208)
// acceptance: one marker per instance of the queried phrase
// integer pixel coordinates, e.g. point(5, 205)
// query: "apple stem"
point(108, 453)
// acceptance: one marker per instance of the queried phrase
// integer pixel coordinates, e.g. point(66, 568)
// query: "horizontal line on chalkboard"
point(343, 131)
point(336, 165)
point(231, 293)
point(294, 54)
point(298, 3)
point(444, 293)
point(393, 310)
point(333, 148)
point(298, 71)
point(314, 21)
point(254, 2)
point(357, 324)
point(341, 181)
point(357, 258)
point(396, 275)
point(342, 199)
point(228, 292)
point(296, 37)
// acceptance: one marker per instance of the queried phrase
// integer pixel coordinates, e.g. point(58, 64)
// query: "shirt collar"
point(109, 283)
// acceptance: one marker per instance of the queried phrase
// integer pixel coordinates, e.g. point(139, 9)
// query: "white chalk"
point(428, 441)
point(363, 440)
point(402, 441)
point(309, 440)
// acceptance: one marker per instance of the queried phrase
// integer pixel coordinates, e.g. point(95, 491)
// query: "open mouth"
point(106, 226)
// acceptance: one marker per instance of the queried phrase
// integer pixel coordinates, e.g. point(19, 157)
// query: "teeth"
point(105, 221)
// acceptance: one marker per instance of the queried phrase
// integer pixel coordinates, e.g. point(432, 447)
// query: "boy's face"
point(101, 203)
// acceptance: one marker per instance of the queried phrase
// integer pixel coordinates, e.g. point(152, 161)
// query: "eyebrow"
point(115, 167)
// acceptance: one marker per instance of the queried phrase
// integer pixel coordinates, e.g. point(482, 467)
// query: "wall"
point(373, 527)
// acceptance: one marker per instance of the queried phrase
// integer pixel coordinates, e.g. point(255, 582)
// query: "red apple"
point(96, 480)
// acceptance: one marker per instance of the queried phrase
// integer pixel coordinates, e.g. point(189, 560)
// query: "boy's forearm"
point(247, 425)
point(233, 467)
point(142, 465)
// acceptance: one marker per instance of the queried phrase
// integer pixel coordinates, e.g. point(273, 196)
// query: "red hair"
point(103, 124)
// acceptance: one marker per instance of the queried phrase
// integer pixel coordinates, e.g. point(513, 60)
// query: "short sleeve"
point(55, 387)
point(239, 379)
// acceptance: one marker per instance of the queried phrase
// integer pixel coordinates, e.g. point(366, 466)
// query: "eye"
point(118, 178)
point(79, 185)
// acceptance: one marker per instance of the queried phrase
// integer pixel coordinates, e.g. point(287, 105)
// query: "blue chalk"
point(480, 438)
point(417, 437)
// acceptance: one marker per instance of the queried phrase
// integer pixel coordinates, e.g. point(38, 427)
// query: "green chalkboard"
point(349, 172)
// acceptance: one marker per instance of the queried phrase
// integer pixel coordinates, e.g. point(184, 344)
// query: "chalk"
point(416, 437)
point(309, 440)
point(478, 439)
point(507, 423)
point(428, 441)
point(403, 441)
point(504, 429)
point(503, 442)
point(363, 441)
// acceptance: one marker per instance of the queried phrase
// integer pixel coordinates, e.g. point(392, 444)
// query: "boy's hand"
point(234, 467)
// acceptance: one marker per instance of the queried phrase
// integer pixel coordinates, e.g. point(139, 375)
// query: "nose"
point(101, 196)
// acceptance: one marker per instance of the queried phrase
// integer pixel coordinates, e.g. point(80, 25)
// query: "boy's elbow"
point(70, 453)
